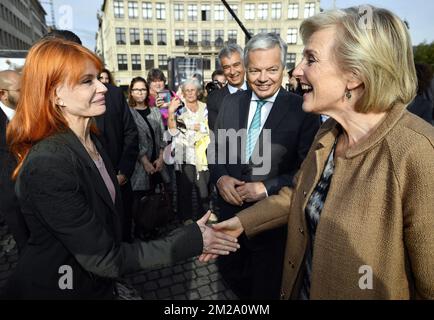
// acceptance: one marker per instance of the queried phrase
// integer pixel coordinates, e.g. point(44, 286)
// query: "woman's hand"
point(158, 164)
point(147, 165)
point(231, 227)
point(216, 242)
point(174, 105)
point(159, 102)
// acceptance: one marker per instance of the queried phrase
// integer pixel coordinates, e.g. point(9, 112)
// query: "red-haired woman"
point(67, 187)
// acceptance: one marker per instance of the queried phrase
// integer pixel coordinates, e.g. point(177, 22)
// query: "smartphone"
point(165, 95)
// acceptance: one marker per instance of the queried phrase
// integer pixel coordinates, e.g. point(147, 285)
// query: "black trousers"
point(186, 180)
point(254, 272)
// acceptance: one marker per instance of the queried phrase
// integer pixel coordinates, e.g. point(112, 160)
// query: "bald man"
point(9, 208)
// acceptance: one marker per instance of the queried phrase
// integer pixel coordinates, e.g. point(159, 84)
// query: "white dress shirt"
point(9, 112)
point(235, 89)
point(265, 111)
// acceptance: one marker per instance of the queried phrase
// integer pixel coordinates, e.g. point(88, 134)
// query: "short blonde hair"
point(374, 45)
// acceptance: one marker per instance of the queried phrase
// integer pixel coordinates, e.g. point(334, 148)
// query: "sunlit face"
point(233, 69)
point(322, 81)
point(104, 77)
point(11, 92)
point(139, 92)
point(190, 93)
point(265, 72)
point(84, 99)
point(156, 86)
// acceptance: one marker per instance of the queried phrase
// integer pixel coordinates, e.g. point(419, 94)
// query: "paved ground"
point(187, 280)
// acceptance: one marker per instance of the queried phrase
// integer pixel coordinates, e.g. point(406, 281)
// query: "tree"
point(424, 53)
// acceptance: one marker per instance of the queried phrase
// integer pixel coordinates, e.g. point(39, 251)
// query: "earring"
point(348, 94)
point(60, 103)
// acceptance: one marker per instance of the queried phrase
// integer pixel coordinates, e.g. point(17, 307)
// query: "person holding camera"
point(188, 124)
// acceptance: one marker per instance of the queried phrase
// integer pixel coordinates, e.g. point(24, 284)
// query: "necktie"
point(255, 129)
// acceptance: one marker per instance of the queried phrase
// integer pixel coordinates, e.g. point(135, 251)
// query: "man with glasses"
point(264, 110)
point(9, 208)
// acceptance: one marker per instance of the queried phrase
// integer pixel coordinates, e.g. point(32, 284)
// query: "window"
point(235, 10)
point(206, 63)
point(309, 9)
point(293, 11)
point(148, 37)
point(206, 12)
point(192, 12)
point(133, 10)
point(219, 36)
point(119, 9)
point(276, 11)
point(134, 36)
point(149, 61)
point(122, 62)
point(179, 12)
point(120, 36)
point(292, 36)
point(161, 37)
point(219, 12)
point(290, 60)
point(136, 64)
point(276, 31)
point(262, 11)
point(206, 38)
point(249, 11)
point(192, 37)
point(232, 36)
point(162, 61)
point(147, 10)
point(160, 9)
point(179, 38)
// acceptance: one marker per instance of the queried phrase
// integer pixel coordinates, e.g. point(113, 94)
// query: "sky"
point(79, 16)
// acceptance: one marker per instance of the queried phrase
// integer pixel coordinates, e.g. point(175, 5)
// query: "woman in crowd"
point(67, 187)
point(360, 214)
point(149, 170)
point(105, 76)
point(189, 126)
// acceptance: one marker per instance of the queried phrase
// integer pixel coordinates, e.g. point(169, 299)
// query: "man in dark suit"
point(9, 207)
point(275, 137)
point(120, 139)
point(231, 60)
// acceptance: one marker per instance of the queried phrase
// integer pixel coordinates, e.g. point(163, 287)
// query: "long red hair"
point(49, 64)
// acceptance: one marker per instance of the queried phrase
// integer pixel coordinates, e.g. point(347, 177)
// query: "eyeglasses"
point(139, 90)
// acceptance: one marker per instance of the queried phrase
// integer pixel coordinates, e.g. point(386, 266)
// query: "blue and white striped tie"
point(254, 130)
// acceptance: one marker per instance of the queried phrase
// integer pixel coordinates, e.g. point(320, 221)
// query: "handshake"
point(220, 238)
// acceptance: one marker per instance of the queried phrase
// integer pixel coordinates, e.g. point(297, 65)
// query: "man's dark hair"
point(63, 34)
point(218, 72)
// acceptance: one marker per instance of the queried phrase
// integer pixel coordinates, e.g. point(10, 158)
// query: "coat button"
point(282, 295)
point(291, 264)
point(301, 230)
point(304, 193)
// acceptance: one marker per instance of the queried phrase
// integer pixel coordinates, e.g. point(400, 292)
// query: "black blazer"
point(9, 207)
point(292, 133)
point(73, 222)
point(213, 104)
point(119, 132)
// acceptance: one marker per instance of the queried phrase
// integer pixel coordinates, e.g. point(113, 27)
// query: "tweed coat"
point(377, 222)
point(140, 179)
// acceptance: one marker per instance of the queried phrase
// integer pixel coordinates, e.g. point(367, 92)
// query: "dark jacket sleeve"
point(51, 186)
point(131, 141)
point(307, 132)
point(216, 170)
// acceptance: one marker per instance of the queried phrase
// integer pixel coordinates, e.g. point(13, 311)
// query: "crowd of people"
point(308, 183)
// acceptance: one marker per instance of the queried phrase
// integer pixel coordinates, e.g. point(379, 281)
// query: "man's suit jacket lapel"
point(3, 123)
point(278, 111)
point(243, 110)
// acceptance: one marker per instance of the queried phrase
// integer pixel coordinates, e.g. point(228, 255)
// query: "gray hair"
point(193, 82)
point(266, 41)
point(230, 49)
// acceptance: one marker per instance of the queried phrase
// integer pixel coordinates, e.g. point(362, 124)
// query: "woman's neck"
point(193, 106)
point(140, 106)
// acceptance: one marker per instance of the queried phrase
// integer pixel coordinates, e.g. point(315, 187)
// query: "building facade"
point(22, 22)
point(135, 36)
